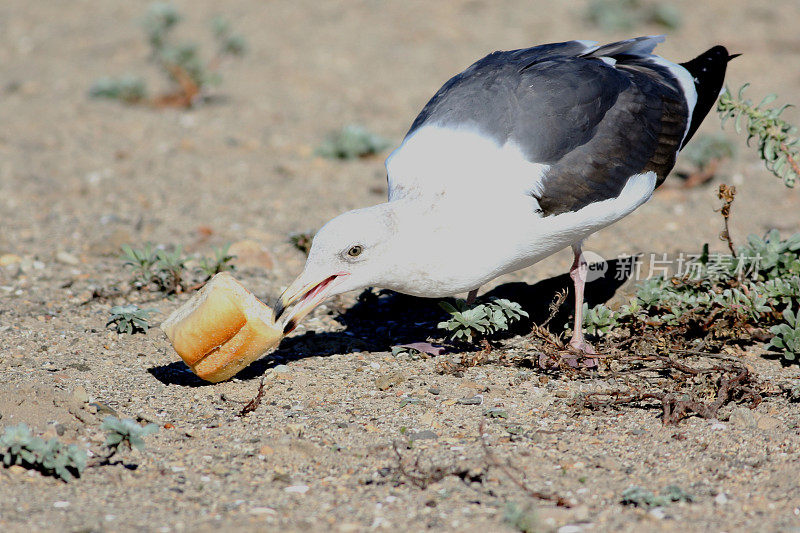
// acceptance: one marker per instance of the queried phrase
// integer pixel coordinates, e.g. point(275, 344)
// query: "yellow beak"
point(307, 294)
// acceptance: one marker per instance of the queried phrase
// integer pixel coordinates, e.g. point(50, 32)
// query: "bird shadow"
point(381, 319)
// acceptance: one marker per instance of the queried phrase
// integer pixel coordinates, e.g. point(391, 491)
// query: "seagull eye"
point(355, 251)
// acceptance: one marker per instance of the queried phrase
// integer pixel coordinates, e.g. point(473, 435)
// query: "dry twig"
point(726, 194)
point(493, 461)
point(253, 404)
point(734, 383)
point(422, 477)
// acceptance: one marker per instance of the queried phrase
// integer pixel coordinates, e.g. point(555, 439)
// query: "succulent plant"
point(787, 336)
point(482, 319)
point(18, 446)
point(126, 432)
point(129, 318)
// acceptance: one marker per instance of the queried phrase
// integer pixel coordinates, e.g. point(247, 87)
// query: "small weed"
point(773, 257)
point(352, 142)
point(598, 320)
point(481, 320)
point(130, 319)
point(787, 336)
point(221, 262)
point(169, 270)
point(521, 518)
point(778, 141)
point(496, 412)
point(705, 149)
point(160, 269)
point(140, 260)
point(125, 432)
point(624, 15)
point(302, 241)
point(641, 497)
point(50, 457)
point(723, 297)
point(228, 42)
point(182, 63)
point(129, 88)
point(165, 271)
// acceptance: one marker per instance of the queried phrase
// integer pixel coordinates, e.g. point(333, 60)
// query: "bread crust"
point(221, 329)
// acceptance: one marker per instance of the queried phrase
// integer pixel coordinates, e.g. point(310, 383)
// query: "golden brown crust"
point(214, 322)
point(246, 346)
point(221, 329)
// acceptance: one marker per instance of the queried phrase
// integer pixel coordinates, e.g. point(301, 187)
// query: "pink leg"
point(578, 274)
point(472, 295)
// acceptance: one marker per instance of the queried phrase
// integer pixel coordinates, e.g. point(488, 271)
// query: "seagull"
point(523, 154)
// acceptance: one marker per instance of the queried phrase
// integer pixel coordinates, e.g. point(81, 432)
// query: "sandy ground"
point(79, 177)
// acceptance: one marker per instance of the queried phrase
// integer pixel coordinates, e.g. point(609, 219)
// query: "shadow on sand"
point(382, 319)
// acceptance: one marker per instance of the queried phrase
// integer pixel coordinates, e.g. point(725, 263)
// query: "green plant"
point(227, 42)
point(771, 257)
point(624, 15)
point(129, 318)
point(221, 262)
point(352, 142)
point(520, 518)
point(169, 269)
point(140, 260)
point(19, 447)
point(641, 497)
point(787, 336)
point(163, 269)
point(128, 88)
point(598, 320)
point(704, 149)
point(480, 319)
point(777, 139)
point(302, 241)
point(724, 299)
point(125, 432)
point(182, 63)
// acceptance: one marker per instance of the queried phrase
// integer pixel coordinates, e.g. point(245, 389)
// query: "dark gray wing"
point(596, 115)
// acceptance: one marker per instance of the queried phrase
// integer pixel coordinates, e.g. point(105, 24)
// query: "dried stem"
point(493, 461)
point(734, 383)
point(726, 194)
point(253, 404)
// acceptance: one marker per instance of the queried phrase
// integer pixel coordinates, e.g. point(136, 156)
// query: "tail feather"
point(708, 71)
point(638, 46)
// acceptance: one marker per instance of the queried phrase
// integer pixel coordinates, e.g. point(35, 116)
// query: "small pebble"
point(60, 504)
point(67, 258)
point(436, 391)
point(389, 380)
point(297, 489)
point(80, 395)
point(424, 435)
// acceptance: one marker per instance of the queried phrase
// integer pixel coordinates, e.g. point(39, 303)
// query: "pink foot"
point(581, 346)
point(584, 351)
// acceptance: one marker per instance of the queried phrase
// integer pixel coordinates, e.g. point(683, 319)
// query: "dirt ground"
point(80, 177)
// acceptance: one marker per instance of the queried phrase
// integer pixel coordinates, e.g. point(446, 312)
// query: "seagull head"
point(352, 251)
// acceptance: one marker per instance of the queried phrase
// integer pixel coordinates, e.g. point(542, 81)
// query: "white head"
point(352, 251)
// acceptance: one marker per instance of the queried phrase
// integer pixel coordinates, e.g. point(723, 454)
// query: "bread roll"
point(221, 329)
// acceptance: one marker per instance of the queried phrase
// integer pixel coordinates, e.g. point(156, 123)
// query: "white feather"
point(462, 245)
point(436, 160)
